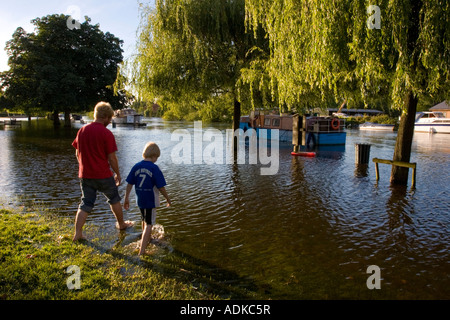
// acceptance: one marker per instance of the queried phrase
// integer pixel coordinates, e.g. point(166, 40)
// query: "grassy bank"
point(36, 250)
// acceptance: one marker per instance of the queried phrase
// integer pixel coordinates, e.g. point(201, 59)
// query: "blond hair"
point(103, 110)
point(151, 149)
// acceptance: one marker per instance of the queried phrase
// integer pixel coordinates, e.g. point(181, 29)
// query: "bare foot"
point(145, 252)
point(78, 238)
point(126, 224)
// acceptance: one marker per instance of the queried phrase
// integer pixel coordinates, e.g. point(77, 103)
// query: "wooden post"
point(295, 131)
point(362, 153)
point(303, 130)
point(377, 174)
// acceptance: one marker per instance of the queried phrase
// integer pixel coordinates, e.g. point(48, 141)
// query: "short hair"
point(103, 110)
point(151, 149)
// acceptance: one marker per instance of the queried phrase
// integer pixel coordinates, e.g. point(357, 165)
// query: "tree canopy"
point(195, 51)
point(327, 46)
point(333, 47)
point(300, 54)
point(61, 69)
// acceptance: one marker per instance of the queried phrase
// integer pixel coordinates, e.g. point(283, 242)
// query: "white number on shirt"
point(142, 181)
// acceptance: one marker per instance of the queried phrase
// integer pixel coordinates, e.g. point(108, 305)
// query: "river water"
point(308, 232)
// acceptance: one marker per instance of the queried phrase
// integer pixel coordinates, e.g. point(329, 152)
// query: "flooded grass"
point(36, 251)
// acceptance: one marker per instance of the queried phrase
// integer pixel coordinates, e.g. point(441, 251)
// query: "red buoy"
point(304, 154)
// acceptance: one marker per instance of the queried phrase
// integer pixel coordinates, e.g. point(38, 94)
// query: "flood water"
point(308, 232)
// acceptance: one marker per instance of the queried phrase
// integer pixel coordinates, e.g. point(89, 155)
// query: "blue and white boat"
point(319, 130)
point(432, 122)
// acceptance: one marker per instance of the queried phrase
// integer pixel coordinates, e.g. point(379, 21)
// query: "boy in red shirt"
point(96, 152)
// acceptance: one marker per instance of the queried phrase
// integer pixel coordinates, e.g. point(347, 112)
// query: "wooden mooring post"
point(399, 164)
point(298, 131)
point(295, 132)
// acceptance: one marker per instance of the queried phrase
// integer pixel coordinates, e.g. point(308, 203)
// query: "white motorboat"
point(431, 122)
point(376, 126)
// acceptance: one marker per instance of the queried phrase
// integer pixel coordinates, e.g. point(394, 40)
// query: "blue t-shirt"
point(147, 178)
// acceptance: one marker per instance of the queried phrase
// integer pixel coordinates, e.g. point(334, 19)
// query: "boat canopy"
point(427, 115)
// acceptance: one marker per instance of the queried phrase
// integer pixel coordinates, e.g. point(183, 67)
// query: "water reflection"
point(310, 231)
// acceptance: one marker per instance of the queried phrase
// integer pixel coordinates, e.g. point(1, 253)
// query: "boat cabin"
point(271, 121)
point(127, 116)
point(429, 115)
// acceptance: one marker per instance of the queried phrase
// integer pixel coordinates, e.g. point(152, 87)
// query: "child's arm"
point(164, 193)
point(126, 202)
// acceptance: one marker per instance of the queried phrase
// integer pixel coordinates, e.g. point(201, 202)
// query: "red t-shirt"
point(94, 142)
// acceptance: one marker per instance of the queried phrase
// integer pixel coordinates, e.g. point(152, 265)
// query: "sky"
point(119, 17)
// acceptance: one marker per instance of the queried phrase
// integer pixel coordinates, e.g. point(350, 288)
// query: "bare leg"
point(118, 213)
point(80, 220)
point(146, 236)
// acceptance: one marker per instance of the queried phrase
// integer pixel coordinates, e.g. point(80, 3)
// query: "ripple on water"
point(307, 231)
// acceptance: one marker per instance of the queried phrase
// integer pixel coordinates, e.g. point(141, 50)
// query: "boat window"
point(276, 122)
point(267, 121)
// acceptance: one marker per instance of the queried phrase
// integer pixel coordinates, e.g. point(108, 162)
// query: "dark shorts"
point(148, 215)
point(89, 188)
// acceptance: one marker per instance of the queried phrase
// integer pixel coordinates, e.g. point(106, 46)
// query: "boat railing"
point(326, 125)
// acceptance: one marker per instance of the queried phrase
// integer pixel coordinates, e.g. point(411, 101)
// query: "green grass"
point(36, 250)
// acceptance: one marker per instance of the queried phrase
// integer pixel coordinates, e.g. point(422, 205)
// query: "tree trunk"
point(236, 114)
point(236, 121)
point(67, 123)
point(402, 152)
point(56, 122)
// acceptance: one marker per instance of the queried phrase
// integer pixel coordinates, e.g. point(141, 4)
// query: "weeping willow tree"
point(307, 56)
point(194, 50)
point(334, 47)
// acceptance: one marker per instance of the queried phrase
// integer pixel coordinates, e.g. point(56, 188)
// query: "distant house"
point(443, 107)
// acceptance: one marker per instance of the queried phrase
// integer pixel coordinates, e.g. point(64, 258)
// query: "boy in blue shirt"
point(148, 181)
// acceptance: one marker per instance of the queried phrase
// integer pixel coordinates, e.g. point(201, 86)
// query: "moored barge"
point(318, 130)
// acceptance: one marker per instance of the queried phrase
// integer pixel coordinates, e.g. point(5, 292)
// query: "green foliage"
point(216, 109)
point(192, 55)
point(326, 46)
point(381, 119)
point(293, 55)
point(59, 69)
